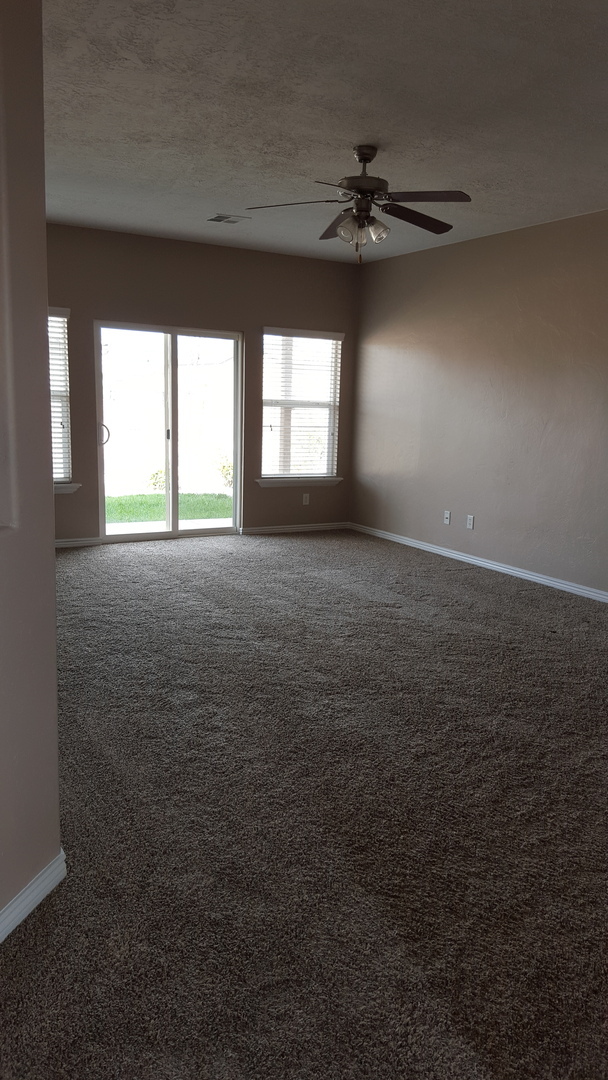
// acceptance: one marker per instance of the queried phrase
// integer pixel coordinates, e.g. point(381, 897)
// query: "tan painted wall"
point(483, 389)
point(29, 811)
point(126, 278)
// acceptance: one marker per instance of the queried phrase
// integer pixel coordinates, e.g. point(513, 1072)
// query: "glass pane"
point(296, 441)
point(134, 413)
point(309, 441)
point(205, 394)
point(299, 369)
point(312, 369)
point(271, 441)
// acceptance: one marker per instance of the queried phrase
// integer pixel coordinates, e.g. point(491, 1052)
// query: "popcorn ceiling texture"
point(162, 114)
point(332, 810)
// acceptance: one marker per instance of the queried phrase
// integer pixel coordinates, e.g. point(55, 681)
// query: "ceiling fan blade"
point(429, 196)
point(332, 230)
point(414, 218)
point(307, 202)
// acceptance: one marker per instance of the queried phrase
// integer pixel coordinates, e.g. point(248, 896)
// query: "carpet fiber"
point(332, 810)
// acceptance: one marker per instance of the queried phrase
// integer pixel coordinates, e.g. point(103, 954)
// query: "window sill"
point(65, 489)
point(298, 481)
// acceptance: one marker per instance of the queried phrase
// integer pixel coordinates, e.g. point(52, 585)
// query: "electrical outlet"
point(447, 517)
point(470, 521)
point(305, 500)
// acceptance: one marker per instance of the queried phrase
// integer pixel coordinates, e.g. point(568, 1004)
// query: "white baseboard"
point(324, 526)
point(488, 564)
point(87, 542)
point(136, 538)
point(95, 541)
point(24, 902)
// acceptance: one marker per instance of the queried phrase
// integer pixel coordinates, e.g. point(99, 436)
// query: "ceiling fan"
point(356, 223)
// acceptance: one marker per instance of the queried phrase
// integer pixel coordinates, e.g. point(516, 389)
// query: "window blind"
point(60, 398)
point(301, 378)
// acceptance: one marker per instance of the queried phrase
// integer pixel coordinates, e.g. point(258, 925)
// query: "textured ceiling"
point(163, 113)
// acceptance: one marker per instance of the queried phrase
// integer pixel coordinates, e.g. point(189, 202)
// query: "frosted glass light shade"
point(378, 230)
point(351, 232)
point(347, 229)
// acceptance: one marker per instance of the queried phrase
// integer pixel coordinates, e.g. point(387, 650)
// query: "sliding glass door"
point(136, 416)
point(205, 397)
point(168, 431)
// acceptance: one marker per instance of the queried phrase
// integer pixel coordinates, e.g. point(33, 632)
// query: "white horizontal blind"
point(60, 398)
point(300, 398)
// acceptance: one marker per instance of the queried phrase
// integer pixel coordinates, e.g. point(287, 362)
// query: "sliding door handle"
point(102, 442)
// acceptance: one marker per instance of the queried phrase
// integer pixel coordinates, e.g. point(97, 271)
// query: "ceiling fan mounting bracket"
point(365, 153)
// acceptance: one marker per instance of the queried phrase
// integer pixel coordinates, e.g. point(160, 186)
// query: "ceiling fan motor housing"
point(367, 185)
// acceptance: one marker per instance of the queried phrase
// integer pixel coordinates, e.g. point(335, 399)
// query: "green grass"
point(152, 507)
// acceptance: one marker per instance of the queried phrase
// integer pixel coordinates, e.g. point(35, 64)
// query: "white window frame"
point(62, 478)
point(287, 479)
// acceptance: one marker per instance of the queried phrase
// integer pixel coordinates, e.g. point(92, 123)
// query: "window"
point(60, 396)
point(301, 385)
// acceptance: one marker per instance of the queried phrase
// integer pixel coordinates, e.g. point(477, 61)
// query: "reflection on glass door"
point(167, 431)
point(205, 395)
point(134, 431)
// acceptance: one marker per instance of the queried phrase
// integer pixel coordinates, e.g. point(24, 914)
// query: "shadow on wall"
point(371, 503)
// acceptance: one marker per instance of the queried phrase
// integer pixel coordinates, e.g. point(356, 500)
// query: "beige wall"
point(126, 278)
point(482, 383)
point(29, 812)
point(483, 389)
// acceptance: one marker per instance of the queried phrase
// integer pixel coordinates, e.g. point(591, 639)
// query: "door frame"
point(173, 333)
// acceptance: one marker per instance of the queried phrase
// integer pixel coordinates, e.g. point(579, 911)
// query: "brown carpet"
point(332, 810)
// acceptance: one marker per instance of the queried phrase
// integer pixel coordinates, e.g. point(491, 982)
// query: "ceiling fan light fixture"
point(377, 230)
point(352, 232)
point(347, 229)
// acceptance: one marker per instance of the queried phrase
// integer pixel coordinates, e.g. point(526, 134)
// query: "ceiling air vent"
point(229, 219)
